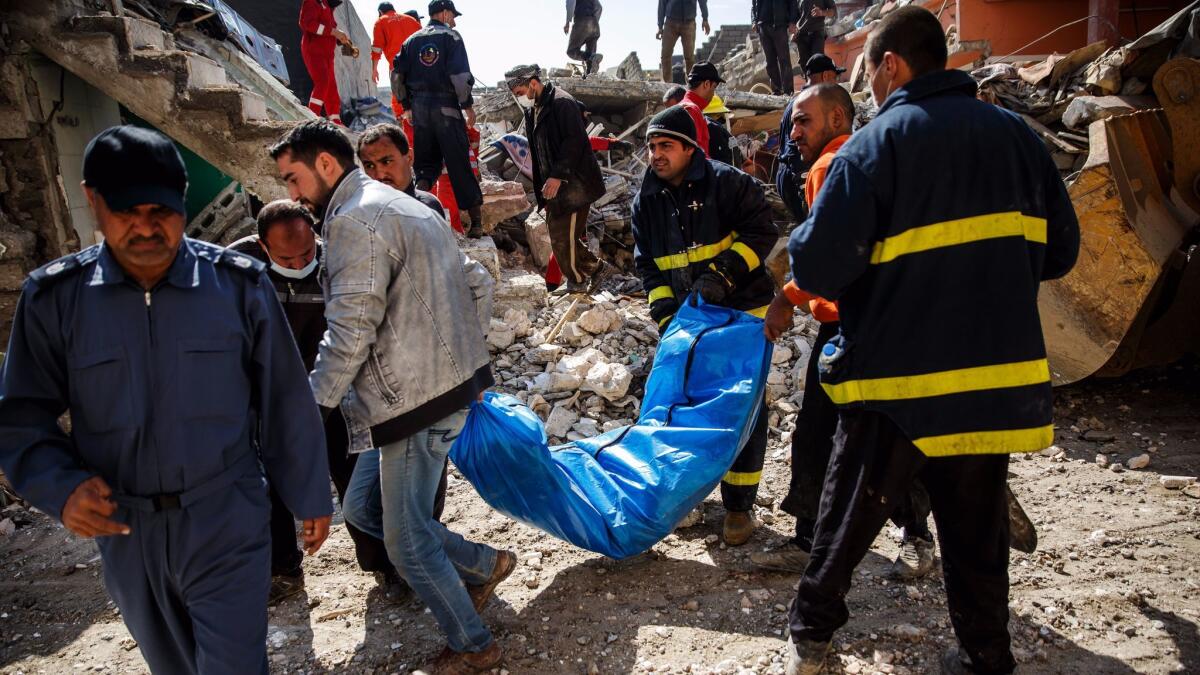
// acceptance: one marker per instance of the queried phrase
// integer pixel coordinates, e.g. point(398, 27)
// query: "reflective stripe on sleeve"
point(661, 293)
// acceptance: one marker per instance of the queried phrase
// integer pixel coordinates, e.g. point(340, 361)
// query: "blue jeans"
point(433, 560)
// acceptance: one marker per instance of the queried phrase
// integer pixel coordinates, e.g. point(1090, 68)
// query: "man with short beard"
point(183, 384)
point(404, 357)
point(386, 157)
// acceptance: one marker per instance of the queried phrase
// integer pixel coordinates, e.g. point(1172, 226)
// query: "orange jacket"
point(391, 30)
point(825, 311)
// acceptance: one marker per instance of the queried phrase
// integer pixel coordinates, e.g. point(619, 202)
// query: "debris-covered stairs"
point(186, 95)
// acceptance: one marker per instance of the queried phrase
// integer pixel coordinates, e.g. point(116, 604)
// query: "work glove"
point(662, 311)
point(712, 286)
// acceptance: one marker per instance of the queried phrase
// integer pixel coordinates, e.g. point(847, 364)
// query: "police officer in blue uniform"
point(432, 80)
point(183, 382)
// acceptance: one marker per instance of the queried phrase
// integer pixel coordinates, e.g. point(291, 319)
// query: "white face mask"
point(294, 274)
point(878, 102)
point(524, 102)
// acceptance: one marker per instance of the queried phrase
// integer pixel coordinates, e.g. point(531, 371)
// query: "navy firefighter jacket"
point(432, 66)
point(167, 388)
point(936, 225)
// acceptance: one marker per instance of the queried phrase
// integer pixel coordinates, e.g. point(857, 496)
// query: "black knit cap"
point(130, 166)
point(676, 123)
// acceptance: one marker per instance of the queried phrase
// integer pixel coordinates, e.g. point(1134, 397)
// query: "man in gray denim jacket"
point(404, 356)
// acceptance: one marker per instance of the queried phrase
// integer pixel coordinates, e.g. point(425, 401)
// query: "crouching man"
point(404, 356)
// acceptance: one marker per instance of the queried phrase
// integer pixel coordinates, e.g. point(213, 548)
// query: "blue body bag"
point(621, 492)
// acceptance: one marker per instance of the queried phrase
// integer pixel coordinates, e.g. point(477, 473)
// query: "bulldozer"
point(1133, 299)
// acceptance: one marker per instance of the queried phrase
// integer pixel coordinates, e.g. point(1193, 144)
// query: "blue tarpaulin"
point(621, 492)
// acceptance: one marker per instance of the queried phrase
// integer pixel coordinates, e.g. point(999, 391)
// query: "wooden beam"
point(752, 125)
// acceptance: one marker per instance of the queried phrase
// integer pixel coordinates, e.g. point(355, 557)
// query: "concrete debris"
point(1140, 462)
point(502, 200)
point(7, 527)
point(1176, 482)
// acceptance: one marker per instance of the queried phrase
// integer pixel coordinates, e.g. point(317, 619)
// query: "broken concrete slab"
point(483, 251)
point(1084, 110)
point(502, 200)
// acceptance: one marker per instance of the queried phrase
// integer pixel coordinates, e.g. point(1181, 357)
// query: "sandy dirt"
point(1113, 588)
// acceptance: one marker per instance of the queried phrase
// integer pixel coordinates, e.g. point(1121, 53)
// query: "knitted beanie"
point(676, 123)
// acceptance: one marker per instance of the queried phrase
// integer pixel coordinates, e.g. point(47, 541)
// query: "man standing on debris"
point(940, 366)
point(183, 383)
point(403, 357)
point(432, 80)
point(810, 29)
point(581, 45)
point(385, 155)
point(822, 119)
point(677, 23)
point(319, 40)
point(775, 20)
point(287, 243)
point(702, 85)
point(704, 227)
point(566, 175)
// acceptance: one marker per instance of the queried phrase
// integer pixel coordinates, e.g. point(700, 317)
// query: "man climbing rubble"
point(566, 175)
point(822, 117)
point(432, 80)
point(775, 21)
point(583, 31)
point(939, 369)
point(319, 39)
point(677, 24)
point(288, 245)
point(703, 227)
point(402, 360)
point(183, 385)
point(391, 31)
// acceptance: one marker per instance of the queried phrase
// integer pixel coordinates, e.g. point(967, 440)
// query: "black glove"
point(662, 311)
point(713, 287)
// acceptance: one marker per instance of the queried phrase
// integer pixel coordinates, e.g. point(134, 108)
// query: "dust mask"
point(879, 102)
point(295, 275)
point(524, 102)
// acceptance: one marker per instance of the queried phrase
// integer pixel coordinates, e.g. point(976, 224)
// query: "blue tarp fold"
point(621, 492)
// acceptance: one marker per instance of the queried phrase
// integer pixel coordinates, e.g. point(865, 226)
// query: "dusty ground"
point(1114, 587)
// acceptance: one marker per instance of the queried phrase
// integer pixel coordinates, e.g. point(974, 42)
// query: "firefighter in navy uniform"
point(183, 381)
point(432, 80)
point(702, 226)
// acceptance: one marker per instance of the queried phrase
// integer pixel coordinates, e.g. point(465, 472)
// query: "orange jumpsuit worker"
point(319, 40)
point(391, 30)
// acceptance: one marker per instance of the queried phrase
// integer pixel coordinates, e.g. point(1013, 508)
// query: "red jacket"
point(316, 21)
point(695, 107)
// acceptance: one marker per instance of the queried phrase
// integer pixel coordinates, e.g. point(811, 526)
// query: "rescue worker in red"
point(391, 30)
point(319, 40)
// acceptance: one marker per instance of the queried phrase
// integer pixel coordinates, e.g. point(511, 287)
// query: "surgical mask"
point(294, 274)
point(524, 102)
point(879, 103)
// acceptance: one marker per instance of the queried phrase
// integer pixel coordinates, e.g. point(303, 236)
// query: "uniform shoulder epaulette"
point(64, 267)
point(219, 255)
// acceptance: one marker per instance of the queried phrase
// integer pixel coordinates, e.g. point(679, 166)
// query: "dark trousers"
point(808, 44)
point(872, 467)
point(581, 45)
point(739, 487)
point(286, 557)
point(812, 444)
point(440, 138)
point(567, 233)
point(774, 41)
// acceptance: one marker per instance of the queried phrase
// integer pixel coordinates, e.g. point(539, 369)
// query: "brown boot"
point(739, 525)
point(450, 662)
point(506, 562)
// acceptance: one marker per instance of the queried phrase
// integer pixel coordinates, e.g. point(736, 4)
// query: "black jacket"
point(774, 13)
point(719, 218)
point(303, 304)
point(720, 142)
point(809, 24)
point(561, 149)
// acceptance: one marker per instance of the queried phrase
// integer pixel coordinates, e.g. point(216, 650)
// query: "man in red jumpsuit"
point(319, 40)
point(391, 30)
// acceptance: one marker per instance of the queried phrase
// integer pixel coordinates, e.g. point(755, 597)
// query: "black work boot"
point(476, 229)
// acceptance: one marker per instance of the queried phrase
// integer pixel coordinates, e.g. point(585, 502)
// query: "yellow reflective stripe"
point(661, 293)
point(987, 442)
point(760, 312)
point(955, 232)
point(982, 378)
point(665, 320)
point(742, 479)
point(678, 261)
point(748, 254)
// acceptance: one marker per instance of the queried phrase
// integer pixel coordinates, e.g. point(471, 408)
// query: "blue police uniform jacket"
point(167, 388)
point(935, 226)
point(432, 66)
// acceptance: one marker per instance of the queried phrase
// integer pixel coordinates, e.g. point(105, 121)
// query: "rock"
point(501, 200)
point(500, 335)
point(906, 631)
point(555, 382)
point(1102, 460)
point(1192, 491)
point(537, 233)
point(526, 292)
point(483, 251)
point(560, 421)
point(609, 380)
point(1176, 482)
point(579, 363)
point(586, 427)
point(544, 353)
point(781, 354)
point(599, 321)
point(7, 527)
point(779, 263)
point(1098, 436)
point(519, 321)
point(573, 335)
point(1140, 462)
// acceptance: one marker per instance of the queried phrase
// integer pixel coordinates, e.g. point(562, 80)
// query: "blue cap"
point(830, 349)
point(130, 166)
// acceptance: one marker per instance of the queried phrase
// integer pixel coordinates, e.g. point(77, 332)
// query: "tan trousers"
point(567, 231)
point(674, 30)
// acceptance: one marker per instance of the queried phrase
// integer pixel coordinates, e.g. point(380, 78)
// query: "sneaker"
point(1022, 535)
point(593, 66)
point(787, 557)
point(570, 288)
point(738, 527)
point(450, 662)
point(475, 231)
point(506, 562)
point(284, 587)
point(915, 559)
point(602, 274)
point(806, 658)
